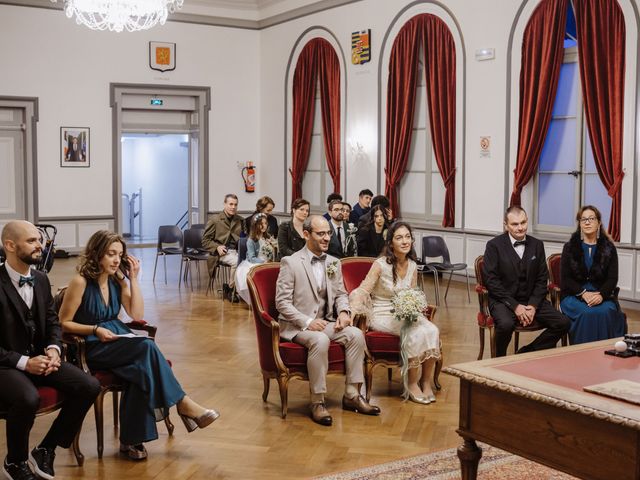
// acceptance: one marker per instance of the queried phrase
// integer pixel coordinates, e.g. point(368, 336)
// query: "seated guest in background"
point(371, 236)
point(362, 206)
point(589, 277)
point(290, 236)
point(515, 271)
point(342, 243)
point(107, 280)
point(314, 309)
point(264, 205)
point(397, 269)
point(330, 198)
point(260, 249)
point(384, 203)
point(30, 348)
point(346, 212)
point(221, 240)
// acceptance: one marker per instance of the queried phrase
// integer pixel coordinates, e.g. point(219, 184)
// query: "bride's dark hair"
point(388, 247)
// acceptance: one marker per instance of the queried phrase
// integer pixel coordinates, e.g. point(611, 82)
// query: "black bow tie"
point(320, 259)
point(23, 280)
point(519, 242)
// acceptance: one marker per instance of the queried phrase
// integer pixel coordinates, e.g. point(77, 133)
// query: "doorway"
point(161, 159)
point(155, 184)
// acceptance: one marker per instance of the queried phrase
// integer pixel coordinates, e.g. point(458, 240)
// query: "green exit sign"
point(157, 101)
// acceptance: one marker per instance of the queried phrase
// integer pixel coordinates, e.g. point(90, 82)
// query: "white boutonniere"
point(332, 269)
point(351, 229)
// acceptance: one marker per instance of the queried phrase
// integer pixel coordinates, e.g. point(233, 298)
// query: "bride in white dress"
point(396, 269)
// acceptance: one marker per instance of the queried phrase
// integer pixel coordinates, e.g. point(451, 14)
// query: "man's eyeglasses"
point(326, 233)
point(588, 220)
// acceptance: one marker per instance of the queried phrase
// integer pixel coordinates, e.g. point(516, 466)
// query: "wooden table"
point(533, 405)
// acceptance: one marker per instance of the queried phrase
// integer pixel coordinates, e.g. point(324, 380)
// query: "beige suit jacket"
point(297, 293)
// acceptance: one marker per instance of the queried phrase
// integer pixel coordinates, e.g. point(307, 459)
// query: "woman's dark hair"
point(372, 217)
point(254, 233)
point(263, 202)
point(388, 247)
point(603, 232)
point(298, 203)
point(96, 248)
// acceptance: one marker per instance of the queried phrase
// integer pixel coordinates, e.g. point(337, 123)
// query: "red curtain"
point(542, 54)
point(440, 65)
point(317, 64)
point(601, 50)
point(401, 101)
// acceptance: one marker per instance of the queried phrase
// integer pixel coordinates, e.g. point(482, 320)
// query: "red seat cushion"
point(382, 342)
point(49, 397)
point(294, 355)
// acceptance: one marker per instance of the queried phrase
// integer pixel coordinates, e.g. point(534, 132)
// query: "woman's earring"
point(598, 234)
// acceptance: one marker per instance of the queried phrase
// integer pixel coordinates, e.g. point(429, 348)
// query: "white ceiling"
point(247, 9)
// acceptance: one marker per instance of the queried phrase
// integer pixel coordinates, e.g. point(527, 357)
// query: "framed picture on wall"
point(74, 147)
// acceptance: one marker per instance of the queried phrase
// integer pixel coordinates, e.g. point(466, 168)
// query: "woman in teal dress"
point(588, 283)
point(108, 279)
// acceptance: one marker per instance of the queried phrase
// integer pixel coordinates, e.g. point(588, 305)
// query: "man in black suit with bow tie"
point(30, 349)
point(515, 273)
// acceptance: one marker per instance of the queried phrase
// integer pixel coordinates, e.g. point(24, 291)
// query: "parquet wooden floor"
point(213, 349)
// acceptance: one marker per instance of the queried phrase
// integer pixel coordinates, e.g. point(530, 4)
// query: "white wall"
point(69, 68)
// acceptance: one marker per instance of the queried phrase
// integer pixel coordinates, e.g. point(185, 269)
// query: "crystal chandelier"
point(117, 15)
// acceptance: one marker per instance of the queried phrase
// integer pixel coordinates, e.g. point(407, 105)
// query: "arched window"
point(315, 159)
point(421, 121)
point(564, 104)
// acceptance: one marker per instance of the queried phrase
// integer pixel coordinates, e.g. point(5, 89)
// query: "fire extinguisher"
point(249, 178)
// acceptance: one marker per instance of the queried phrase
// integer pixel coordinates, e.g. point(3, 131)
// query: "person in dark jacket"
point(589, 279)
point(371, 236)
point(290, 236)
point(516, 275)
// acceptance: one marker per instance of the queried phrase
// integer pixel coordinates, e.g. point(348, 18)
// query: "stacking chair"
point(109, 382)
point(485, 320)
point(434, 246)
point(170, 235)
point(279, 359)
point(192, 252)
point(382, 348)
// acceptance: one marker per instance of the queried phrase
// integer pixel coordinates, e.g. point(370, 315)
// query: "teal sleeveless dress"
point(151, 387)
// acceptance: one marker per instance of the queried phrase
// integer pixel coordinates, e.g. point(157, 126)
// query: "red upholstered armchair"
point(279, 359)
point(485, 320)
point(109, 382)
point(383, 348)
point(553, 265)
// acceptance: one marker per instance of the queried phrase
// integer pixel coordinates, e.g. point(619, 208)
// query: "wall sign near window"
point(162, 56)
point(74, 147)
point(361, 47)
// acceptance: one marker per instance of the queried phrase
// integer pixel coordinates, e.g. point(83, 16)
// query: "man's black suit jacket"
point(501, 271)
point(15, 338)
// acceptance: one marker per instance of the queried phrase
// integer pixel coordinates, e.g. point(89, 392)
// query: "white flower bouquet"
point(408, 304)
point(267, 251)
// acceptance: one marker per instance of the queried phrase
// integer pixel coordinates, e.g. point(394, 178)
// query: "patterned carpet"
point(495, 465)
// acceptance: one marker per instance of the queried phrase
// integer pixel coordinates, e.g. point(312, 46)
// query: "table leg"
point(469, 454)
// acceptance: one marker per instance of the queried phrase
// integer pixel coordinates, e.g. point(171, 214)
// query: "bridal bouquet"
point(267, 250)
point(408, 304)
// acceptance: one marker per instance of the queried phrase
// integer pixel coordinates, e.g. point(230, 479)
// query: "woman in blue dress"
point(589, 278)
point(108, 279)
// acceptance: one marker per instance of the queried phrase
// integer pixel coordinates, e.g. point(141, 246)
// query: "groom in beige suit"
point(314, 309)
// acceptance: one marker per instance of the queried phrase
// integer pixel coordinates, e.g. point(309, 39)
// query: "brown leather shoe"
point(320, 414)
point(360, 405)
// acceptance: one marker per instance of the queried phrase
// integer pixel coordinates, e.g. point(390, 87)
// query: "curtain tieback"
point(613, 190)
point(450, 178)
